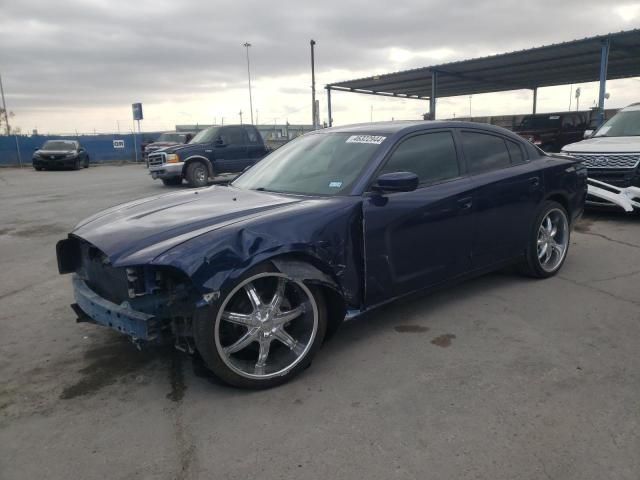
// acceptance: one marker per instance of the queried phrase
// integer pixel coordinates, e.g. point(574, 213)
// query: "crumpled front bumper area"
point(601, 194)
point(90, 307)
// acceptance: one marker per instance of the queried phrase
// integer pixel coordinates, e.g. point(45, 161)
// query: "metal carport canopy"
point(611, 56)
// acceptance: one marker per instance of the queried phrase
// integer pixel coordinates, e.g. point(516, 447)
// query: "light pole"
point(247, 45)
point(312, 43)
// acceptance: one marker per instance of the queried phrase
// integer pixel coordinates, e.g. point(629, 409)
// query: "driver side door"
point(231, 155)
point(419, 238)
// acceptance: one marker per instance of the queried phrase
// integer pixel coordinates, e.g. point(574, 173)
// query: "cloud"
point(99, 56)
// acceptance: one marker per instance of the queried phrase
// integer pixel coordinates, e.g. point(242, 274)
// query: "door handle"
point(534, 182)
point(465, 203)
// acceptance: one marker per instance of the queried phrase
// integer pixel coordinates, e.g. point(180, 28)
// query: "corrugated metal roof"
point(576, 61)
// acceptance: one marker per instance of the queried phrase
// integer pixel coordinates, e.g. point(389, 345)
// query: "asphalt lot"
point(501, 377)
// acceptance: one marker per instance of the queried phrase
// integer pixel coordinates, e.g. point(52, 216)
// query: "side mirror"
point(588, 133)
point(396, 182)
point(219, 142)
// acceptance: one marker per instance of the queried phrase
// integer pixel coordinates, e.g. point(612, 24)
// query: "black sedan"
point(60, 154)
point(254, 276)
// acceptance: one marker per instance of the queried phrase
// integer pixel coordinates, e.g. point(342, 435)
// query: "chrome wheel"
point(266, 326)
point(553, 239)
point(200, 174)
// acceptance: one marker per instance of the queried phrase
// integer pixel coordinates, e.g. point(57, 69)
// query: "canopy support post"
point(535, 99)
point(604, 63)
point(330, 120)
point(434, 94)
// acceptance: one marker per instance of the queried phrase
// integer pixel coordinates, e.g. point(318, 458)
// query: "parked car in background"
point(167, 139)
point(612, 156)
point(60, 154)
point(227, 149)
point(255, 275)
point(552, 131)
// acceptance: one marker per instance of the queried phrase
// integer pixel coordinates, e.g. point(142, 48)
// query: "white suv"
point(612, 154)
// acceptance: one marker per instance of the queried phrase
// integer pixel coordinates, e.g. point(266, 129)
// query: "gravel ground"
point(501, 377)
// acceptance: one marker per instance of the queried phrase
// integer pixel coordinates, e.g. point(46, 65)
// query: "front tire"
point(197, 174)
point(86, 162)
point(264, 331)
point(548, 241)
point(172, 182)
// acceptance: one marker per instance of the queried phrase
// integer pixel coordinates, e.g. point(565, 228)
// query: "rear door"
point(507, 189)
point(231, 155)
point(255, 147)
point(419, 238)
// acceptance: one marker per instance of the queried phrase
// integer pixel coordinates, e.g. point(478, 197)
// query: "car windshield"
point(623, 124)
point(172, 137)
point(59, 145)
point(540, 122)
point(206, 136)
point(314, 164)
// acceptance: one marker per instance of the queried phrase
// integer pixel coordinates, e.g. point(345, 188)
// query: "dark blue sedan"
point(254, 276)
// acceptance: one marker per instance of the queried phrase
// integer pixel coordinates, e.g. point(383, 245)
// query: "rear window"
point(540, 122)
point(484, 152)
point(515, 151)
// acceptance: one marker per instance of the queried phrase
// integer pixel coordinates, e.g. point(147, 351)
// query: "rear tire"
point(242, 338)
point(172, 182)
point(549, 241)
point(38, 169)
point(197, 174)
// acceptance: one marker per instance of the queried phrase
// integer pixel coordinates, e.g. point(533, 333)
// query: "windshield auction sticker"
point(375, 139)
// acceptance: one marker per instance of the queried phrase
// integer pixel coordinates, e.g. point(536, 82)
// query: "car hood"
point(184, 147)
point(138, 231)
point(161, 144)
point(605, 145)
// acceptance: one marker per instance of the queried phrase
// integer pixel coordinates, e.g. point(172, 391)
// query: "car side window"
point(568, 121)
point(253, 135)
point(431, 156)
point(234, 136)
point(484, 152)
point(515, 151)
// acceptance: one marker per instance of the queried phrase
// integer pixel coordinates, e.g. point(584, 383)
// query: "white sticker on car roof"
point(375, 139)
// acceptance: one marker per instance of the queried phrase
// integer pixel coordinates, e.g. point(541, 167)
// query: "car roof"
point(631, 108)
point(64, 140)
point(407, 126)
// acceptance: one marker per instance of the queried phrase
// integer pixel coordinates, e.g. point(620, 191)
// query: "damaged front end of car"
point(150, 304)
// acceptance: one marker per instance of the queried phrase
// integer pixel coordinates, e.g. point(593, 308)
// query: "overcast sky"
point(79, 64)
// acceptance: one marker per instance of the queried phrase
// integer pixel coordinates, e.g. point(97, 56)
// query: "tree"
point(3, 121)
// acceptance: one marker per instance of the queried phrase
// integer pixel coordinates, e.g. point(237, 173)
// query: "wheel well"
point(309, 271)
point(190, 160)
point(562, 200)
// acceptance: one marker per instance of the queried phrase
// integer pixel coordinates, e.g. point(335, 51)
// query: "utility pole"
point(240, 113)
point(247, 45)
point(4, 107)
point(312, 43)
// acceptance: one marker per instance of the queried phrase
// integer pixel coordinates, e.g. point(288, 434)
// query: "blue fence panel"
point(101, 148)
